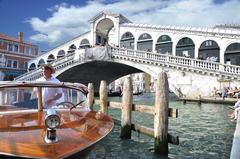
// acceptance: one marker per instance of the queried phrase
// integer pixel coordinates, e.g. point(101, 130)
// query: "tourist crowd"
point(231, 93)
point(226, 92)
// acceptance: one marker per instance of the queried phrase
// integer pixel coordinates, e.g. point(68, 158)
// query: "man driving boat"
point(49, 95)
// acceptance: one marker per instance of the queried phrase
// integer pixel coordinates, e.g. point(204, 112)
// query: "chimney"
point(20, 37)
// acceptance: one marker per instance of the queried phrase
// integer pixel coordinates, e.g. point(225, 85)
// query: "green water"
point(204, 131)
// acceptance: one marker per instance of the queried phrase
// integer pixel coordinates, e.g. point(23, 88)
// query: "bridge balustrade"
point(234, 70)
point(169, 60)
point(223, 69)
point(130, 53)
point(58, 64)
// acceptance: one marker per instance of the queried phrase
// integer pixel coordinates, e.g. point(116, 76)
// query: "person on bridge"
point(49, 95)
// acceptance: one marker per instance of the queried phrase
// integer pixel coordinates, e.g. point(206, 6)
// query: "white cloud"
point(68, 21)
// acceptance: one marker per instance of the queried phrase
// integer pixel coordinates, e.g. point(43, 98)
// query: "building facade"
point(14, 56)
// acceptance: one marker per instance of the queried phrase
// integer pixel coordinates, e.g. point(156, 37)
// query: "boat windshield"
point(25, 95)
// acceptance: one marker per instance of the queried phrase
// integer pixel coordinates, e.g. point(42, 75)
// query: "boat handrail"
point(76, 86)
point(35, 111)
point(39, 84)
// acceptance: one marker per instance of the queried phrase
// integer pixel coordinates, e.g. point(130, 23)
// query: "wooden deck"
point(235, 153)
point(22, 135)
point(216, 100)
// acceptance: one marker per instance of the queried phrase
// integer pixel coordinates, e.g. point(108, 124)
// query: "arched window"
point(41, 62)
point(185, 47)
point(164, 44)
point(50, 58)
point(145, 42)
point(209, 50)
point(60, 54)
point(84, 44)
point(127, 41)
point(232, 54)
point(32, 67)
point(72, 48)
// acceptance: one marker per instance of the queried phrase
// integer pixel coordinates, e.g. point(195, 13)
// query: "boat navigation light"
point(52, 121)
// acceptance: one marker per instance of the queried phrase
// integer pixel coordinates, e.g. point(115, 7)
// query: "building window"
point(10, 47)
point(9, 63)
point(2, 60)
point(1, 42)
point(27, 50)
point(33, 52)
point(15, 48)
point(25, 64)
point(15, 64)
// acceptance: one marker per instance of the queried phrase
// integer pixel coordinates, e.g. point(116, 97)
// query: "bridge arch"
point(232, 54)
point(41, 62)
point(127, 40)
point(141, 67)
point(164, 44)
point(85, 72)
point(60, 54)
point(209, 50)
point(145, 42)
point(103, 27)
point(185, 47)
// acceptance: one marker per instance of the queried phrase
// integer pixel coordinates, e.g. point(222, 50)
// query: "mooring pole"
point(127, 98)
point(161, 115)
point(90, 95)
point(103, 97)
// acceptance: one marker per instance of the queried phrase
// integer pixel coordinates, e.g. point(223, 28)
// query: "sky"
point(48, 23)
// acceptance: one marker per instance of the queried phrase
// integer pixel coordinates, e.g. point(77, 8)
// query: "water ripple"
point(204, 132)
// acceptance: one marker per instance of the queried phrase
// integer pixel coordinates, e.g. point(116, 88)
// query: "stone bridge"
point(188, 77)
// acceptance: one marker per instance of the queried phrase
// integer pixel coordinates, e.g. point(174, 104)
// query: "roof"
point(9, 38)
point(109, 13)
point(6, 37)
point(223, 31)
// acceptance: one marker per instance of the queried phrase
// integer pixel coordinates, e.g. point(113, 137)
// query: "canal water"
point(204, 131)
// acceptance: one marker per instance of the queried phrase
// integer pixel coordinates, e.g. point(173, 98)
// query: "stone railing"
point(58, 64)
point(176, 61)
point(143, 57)
point(97, 53)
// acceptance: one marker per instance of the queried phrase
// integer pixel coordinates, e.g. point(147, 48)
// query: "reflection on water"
point(204, 132)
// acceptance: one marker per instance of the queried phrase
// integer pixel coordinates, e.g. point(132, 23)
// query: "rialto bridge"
point(196, 59)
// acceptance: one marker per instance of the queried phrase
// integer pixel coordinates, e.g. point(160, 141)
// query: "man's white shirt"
point(49, 93)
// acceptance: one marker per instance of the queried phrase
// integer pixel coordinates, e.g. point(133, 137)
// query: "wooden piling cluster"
point(161, 112)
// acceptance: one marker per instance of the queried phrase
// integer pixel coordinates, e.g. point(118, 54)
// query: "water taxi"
point(67, 130)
